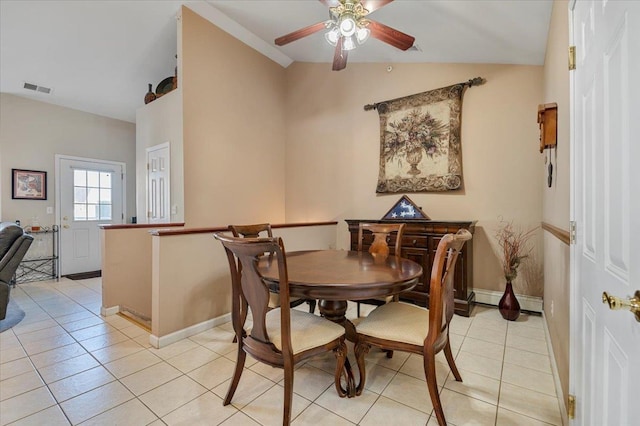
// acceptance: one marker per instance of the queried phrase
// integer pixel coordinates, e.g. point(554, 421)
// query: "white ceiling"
point(98, 56)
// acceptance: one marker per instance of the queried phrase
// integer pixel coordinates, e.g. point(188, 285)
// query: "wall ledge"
point(167, 232)
point(107, 227)
point(560, 234)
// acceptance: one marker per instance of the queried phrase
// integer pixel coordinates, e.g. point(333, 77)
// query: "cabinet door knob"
point(414, 242)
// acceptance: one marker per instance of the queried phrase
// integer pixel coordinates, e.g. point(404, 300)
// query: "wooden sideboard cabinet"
point(419, 243)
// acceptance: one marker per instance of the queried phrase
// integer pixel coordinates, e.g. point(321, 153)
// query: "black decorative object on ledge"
point(150, 96)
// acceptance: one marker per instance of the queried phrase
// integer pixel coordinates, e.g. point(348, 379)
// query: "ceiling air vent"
point(36, 88)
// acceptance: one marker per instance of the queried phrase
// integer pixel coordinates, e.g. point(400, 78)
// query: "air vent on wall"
point(36, 88)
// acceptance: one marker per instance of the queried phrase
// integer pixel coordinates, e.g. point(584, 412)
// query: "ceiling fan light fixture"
point(348, 43)
point(347, 26)
point(362, 35)
point(332, 36)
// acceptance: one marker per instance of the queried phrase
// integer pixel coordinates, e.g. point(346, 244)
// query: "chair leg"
point(452, 364)
point(341, 357)
point(358, 303)
point(288, 392)
point(312, 305)
point(432, 385)
point(242, 356)
point(361, 349)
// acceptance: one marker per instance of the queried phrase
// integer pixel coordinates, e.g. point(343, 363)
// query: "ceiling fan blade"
point(391, 36)
point(330, 3)
point(296, 35)
point(372, 5)
point(339, 57)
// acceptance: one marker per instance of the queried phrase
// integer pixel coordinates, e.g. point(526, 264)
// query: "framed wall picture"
point(28, 185)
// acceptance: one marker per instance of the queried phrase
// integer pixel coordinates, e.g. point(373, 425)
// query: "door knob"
point(631, 304)
point(65, 226)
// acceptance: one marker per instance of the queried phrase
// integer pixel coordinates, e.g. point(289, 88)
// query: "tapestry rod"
point(473, 82)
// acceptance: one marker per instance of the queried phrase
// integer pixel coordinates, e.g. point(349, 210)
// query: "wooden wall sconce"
point(548, 122)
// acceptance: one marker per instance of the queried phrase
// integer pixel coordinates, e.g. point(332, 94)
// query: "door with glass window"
point(91, 194)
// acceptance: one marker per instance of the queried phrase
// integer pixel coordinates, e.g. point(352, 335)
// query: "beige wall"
point(233, 129)
point(32, 132)
point(556, 199)
point(191, 284)
point(126, 269)
point(333, 149)
point(156, 123)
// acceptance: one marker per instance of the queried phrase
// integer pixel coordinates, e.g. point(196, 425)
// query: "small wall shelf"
point(548, 122)
point(41, 260)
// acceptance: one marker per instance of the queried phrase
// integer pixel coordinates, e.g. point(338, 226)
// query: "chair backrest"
point(441, 297)
point(250, 289)
point(251, 231)
point(381, 232)
point(14, 244)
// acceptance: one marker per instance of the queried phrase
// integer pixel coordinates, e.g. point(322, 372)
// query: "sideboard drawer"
point(418, 241)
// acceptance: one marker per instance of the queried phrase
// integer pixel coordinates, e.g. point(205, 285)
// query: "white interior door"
point(91, 194)
point(605, 349)
point(158, 178)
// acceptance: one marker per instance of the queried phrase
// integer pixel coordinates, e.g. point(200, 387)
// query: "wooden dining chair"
point(379, 247)
point(410, 328)
point(280, 337)
point(254, 231)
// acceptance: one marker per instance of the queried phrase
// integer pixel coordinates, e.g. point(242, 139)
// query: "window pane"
point(105, 196)
point(105, 180)
point(105, 212)
point(92, 195)
point(79, 195)
point(93, 178)
point(79, 212)
point(92, 212)
point(80, 178)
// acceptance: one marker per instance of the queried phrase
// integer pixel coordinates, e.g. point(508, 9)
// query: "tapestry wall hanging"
point(420, 147)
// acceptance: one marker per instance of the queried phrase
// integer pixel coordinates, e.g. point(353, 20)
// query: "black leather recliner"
point(14, 243)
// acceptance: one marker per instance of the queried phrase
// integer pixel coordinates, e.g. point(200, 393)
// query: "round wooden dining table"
point(335, 276)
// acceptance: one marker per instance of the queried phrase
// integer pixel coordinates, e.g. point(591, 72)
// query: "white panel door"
point(91, 194)
point(158, 178)
point(605, 349)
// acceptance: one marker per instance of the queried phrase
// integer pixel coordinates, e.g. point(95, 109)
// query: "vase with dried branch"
point(515, 248)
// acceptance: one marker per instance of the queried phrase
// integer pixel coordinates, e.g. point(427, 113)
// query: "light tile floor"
point(65, 364)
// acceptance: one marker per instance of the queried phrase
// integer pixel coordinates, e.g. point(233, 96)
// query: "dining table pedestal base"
point(335, 310)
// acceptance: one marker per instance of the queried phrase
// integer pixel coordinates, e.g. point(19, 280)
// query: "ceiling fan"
point(347, 25)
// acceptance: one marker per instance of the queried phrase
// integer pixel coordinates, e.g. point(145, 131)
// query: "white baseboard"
point(105, 312)
point(556, 376)
point(492, 297)
point(160, 342)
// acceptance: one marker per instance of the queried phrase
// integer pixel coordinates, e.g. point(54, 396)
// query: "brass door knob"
point(631, 304)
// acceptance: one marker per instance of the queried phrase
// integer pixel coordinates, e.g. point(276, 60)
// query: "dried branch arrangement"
point(515, 247)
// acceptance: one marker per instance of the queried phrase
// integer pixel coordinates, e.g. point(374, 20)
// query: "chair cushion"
point(307, 330)
point(397, 321)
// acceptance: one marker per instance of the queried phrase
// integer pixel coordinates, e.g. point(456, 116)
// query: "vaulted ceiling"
point(98, 56)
